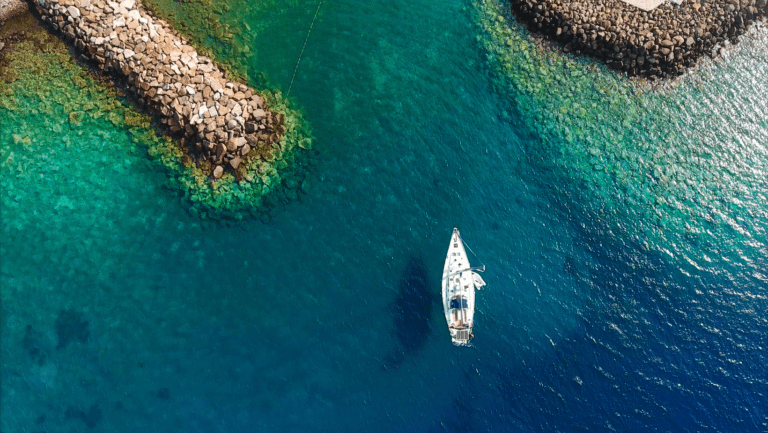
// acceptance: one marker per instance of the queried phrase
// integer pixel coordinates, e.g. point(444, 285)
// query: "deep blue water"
point(625, 295)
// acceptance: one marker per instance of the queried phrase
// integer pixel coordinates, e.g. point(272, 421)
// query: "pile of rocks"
point(659, 43)
point(222, 123)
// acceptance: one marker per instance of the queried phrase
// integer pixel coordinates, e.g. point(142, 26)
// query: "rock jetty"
point(658, 43)
point(221, 123)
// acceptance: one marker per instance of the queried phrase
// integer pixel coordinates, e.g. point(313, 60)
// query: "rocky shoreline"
point(222, 124)
point(659, 43)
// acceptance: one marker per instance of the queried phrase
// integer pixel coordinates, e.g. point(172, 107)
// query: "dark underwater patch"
point(570, 266)
point(71, 326)
point(164, 394)
point(33, 344)
point(412, 310)
point(90, 417)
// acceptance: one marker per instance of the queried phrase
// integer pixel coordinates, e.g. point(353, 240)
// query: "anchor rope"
point(302, 48)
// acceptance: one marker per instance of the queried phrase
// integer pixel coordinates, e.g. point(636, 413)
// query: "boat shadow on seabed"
point(412, 309)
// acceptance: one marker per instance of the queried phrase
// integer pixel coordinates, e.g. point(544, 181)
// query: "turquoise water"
point(627, 266)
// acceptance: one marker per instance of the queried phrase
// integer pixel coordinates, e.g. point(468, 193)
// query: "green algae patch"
point(41, 77)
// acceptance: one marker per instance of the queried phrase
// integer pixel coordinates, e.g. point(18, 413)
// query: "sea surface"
point(624, 232)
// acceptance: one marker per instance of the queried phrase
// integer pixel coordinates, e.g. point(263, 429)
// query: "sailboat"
point(459, 283)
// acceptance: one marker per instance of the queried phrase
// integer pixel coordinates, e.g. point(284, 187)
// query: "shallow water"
point(627, 267)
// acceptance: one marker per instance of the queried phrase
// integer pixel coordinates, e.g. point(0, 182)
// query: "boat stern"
point(461, 337)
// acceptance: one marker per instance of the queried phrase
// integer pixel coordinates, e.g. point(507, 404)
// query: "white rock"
point(201, 111)
point(85, 3)
point(212, 111)
point(128, 54)
point(119, 22)
point(73, 12)
point(143, 20)
point(128, 4)
point(190, 90)
point(237, 110)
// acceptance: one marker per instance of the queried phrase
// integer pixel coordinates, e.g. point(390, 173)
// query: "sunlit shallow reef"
point(40, 77)
point(648, 163)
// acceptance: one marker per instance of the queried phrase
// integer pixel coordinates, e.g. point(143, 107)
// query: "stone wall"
point(221, 122)
point(659, 43)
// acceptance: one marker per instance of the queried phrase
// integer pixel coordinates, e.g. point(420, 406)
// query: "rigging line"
point(302, 48)
point(470, 249)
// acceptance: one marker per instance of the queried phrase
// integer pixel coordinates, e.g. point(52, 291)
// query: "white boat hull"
point(459, 292)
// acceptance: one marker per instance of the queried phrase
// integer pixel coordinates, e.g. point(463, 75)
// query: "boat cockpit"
point(459, 308)
point(459, 303)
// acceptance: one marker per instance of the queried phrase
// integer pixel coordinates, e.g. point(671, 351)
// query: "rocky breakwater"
point(657, 43)
point(222, 124)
